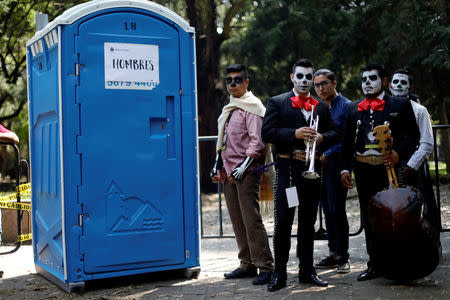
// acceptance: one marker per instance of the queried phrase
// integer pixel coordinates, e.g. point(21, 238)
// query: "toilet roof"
point(77, 12)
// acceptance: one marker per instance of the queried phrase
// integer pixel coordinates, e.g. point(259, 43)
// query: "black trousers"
point(369, 181)
point(425, 186)
point(289, 173)
point(333, 197)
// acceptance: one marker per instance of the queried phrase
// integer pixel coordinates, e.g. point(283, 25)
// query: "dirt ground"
point(219, 256)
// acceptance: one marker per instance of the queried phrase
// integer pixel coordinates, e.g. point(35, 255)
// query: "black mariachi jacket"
point(397, 111)
point(281, 120)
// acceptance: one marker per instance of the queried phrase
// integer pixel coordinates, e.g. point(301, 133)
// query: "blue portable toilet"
point(113, 142)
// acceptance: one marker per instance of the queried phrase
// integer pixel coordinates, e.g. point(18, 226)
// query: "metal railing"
point(319, 235)
point(221, 235)
point(321, 232)
point(19, 212)
point(436, 168)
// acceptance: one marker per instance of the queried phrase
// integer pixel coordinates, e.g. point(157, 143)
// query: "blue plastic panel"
point(45, 162)
point(130, 146)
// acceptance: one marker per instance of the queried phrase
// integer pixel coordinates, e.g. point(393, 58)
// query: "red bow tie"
point(304, 102)
point(374, 104)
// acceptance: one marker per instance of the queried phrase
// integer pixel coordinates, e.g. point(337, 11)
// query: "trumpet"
point(310, 153)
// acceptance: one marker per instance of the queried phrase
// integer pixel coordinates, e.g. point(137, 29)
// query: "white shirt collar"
point(381, 96)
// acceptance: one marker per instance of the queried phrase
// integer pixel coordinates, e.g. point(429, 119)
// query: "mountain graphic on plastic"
point(130, 213)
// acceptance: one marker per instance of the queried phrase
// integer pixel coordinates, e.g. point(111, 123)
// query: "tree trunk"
point(202, 16)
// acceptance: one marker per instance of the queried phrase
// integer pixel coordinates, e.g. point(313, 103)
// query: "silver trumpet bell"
point(310, 156)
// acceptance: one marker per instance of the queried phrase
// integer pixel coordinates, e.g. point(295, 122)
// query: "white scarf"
point(247, 102)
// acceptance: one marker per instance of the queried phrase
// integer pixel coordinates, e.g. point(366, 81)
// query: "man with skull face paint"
point(360, 152)
point(239, 150)
point(416, 172)
point(286, 126)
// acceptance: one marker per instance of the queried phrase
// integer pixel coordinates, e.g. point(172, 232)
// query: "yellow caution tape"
point(24, 237)
point(6, 201)
point(15, 205)
point(21, 189)
point(24, 188)
point(8, 198)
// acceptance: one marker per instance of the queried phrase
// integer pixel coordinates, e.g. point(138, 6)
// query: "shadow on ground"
point(166, 285)
point(218, 256)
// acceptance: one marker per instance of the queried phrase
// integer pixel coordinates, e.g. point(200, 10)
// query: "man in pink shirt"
point(239, 150)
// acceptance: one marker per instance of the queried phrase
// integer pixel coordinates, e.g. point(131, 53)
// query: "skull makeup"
point(302, 79)
point(400, 85)
point(371, 83)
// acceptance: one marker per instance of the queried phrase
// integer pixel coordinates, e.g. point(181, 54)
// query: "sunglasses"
point(321, 84)
point(403, 82)
point(237, 79)
point(371, 77)
point(301, 75)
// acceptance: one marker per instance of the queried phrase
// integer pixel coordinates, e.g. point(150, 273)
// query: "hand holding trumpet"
point(308, 134)
point(312, 138)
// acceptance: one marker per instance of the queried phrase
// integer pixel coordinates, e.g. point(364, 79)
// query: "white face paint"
point(371, 83)
point(400, 85)
point(303, 79)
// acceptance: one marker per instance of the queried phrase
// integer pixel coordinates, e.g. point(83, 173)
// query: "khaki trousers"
point(251, 237)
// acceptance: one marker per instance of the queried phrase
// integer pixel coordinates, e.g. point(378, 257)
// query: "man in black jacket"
point(360, 151)
point(286, 125)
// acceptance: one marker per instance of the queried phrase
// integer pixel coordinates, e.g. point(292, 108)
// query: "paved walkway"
point(217, 256)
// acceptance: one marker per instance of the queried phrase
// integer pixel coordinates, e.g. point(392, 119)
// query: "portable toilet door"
point(127, 148)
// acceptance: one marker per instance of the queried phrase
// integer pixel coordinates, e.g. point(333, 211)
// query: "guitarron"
point(404, 240)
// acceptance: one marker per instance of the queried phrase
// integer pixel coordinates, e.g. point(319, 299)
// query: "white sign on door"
point(131, 66)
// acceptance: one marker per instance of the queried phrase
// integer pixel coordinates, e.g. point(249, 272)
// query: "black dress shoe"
point(277, 282)
point(239, 273)
point(262, 278)
point(367, 275)
point(312, 278)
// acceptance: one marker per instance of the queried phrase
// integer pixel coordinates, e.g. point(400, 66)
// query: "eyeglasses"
point(237, 80)
point(322, 84)
point(301, 75)
point(403, 82)
point(371, 77)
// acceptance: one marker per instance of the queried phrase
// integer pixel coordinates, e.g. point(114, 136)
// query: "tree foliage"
point(17, 26)
point(344, 36)
point(269, 36)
